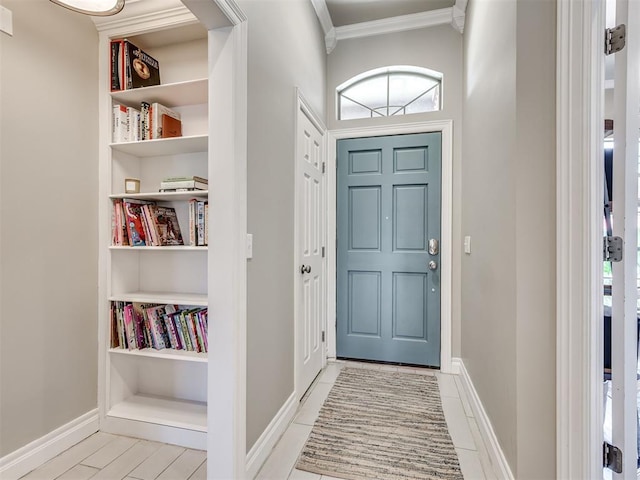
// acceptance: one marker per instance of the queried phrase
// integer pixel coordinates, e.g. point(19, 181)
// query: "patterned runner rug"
point(383, 426)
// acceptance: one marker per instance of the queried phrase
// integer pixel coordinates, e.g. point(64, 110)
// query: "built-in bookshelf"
point(189, 398)
point(154, 389)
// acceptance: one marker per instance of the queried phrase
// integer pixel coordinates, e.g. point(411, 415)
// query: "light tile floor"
point(112, 457)
point(465, 434)
point(103, 456)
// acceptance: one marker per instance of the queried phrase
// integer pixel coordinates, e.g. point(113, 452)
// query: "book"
point(183, 184)
point(116, 67)
point(186, 179)
point(171, 127)
point(200, 222)
point(131, 67)
point(119, 123)
point(144, 120)
point(192, 222)
point(165, 223)
point(133, 125)
point(156, 111)
point(134, 220)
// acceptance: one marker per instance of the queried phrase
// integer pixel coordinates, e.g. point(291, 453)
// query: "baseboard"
point(498, 460)
point(263, 446)
point(22, 461)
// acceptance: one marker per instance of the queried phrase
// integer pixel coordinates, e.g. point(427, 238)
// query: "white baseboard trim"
point(264, 445)
point(22, 461)
point(498, 460)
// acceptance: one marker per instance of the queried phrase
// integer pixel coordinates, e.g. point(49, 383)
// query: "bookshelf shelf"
point(195, 299)
point(166, 354)
point(164, 146)
point(165, 411)
point(191, 92)
point(173, 248)
point(164, 196)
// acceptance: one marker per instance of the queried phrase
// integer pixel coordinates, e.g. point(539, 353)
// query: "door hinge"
point(612, 249)
point(324, 167)
point(614, 39)
point(612, 457)
point(322, 252)
point(323, 336)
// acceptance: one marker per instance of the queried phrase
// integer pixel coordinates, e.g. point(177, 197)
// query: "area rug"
point(384, 426)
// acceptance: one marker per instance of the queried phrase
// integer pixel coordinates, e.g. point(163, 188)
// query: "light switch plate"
point(249, 245)
point(6, 20)
point(467, 244)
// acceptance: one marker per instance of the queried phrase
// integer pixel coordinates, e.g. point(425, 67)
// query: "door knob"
point(433, 265)
point(305, 269)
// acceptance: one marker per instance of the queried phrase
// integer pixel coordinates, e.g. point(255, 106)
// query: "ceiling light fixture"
point(92, 7)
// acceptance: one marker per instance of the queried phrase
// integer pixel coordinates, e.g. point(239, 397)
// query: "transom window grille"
point(389, 91)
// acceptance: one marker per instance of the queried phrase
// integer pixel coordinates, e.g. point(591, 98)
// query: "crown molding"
point(401, 23)
point(131, 21)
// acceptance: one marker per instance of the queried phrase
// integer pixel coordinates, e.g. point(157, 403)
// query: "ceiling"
point(348, 12)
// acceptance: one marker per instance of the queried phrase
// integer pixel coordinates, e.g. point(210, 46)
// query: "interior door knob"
point(305, 269)
point(433, 265)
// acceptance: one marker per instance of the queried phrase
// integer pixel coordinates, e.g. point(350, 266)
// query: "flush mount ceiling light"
point(92, 7)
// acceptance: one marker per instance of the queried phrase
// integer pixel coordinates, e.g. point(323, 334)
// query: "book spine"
point(133, 124)
point(185, 331)
point(206, 224)
point(200, 228)
point(144, 121)
point(127, 67)
point(119, 120)
point(192, 222)
point(115, 65)
point(128, 323)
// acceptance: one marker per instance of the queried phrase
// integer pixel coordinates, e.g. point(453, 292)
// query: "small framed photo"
point(131, 185)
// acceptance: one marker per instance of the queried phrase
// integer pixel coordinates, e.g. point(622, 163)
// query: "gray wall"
point(508, 208)
point(437, 48)
point(286, 49)
point(48, 223)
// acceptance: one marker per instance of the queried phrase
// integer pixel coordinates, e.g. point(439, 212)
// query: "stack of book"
point(183, 184)
point(135, 326)
point(131, 67)
point(140, 223)
point(150, 122)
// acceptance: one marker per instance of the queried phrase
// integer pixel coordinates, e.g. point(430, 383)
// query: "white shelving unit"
point(158, 394)
point(184, 398)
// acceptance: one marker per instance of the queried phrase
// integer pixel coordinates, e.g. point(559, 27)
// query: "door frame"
point(302, 105)
point(446, 128)
point(579, 180)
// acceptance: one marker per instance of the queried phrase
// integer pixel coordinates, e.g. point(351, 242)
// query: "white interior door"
point(624, 342)
point(310, 265)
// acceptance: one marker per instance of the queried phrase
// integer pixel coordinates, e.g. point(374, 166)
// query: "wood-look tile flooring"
point(111, 457)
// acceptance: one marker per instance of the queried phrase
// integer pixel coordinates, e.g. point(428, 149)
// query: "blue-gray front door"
point(388, 284)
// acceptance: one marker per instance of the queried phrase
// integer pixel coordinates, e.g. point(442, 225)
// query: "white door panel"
point(310, 263)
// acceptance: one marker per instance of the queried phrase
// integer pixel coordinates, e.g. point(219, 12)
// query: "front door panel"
point(388, 209)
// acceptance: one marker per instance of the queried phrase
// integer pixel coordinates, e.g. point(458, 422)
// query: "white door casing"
point(310, 267)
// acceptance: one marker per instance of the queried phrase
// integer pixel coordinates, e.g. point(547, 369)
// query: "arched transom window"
point(389, 91)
